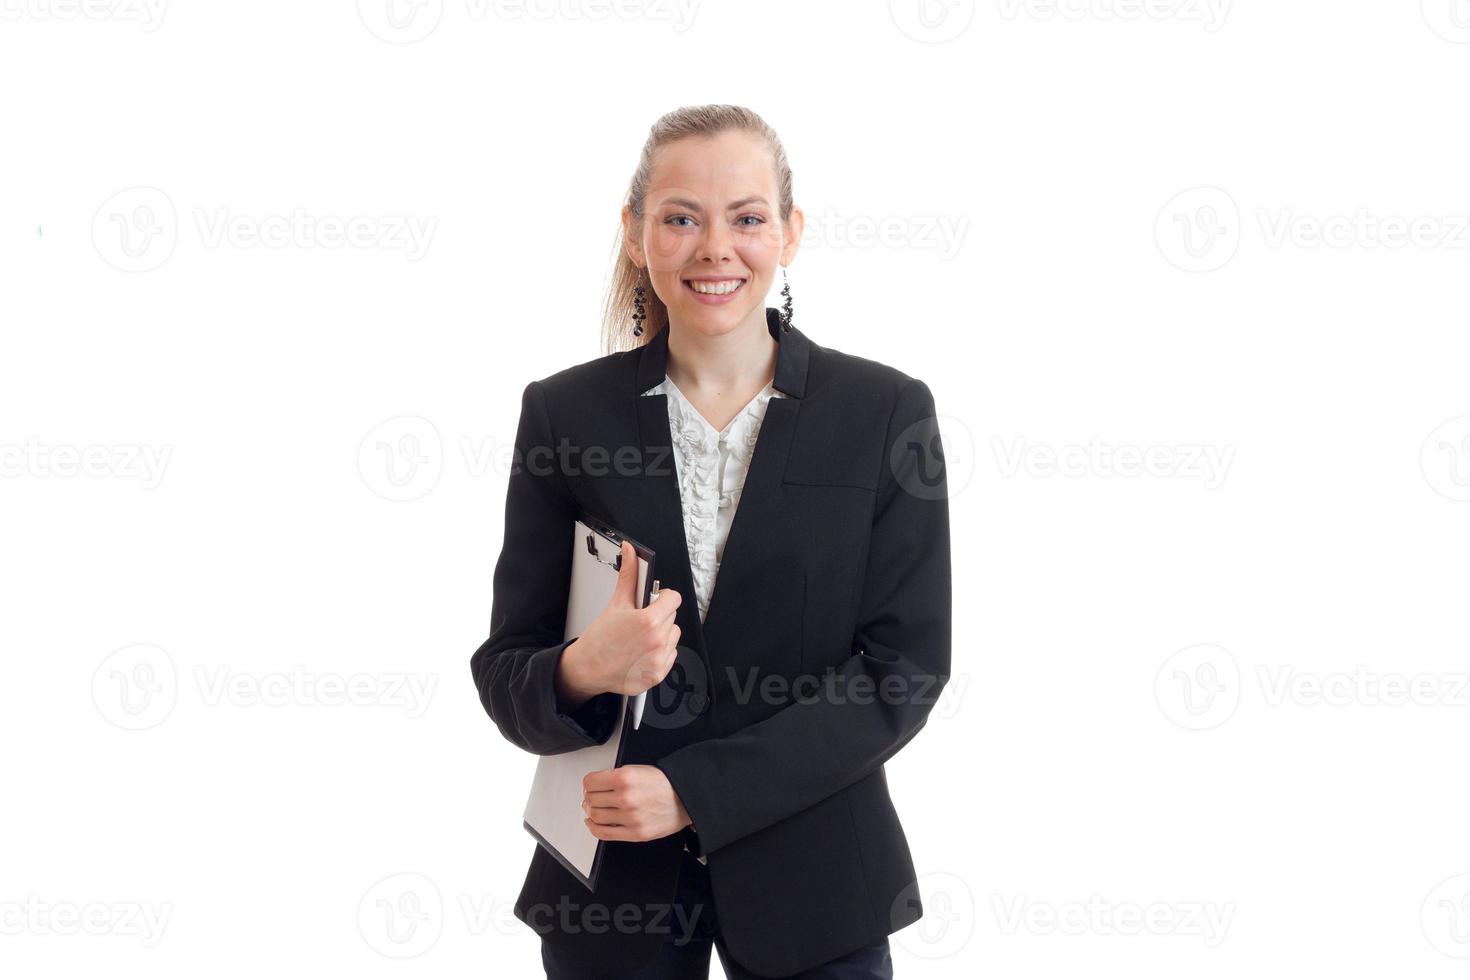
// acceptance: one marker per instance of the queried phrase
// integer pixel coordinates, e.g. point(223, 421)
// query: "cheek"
point(767, 238)
point(760, 250)
point(668, 287)
point(668, 249)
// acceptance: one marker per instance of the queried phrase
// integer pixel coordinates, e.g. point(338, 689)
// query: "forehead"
point(729, 165)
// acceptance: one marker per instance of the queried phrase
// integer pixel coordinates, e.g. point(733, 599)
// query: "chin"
point(714, 320)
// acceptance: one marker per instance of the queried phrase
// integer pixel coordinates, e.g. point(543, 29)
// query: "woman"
point(797, 494)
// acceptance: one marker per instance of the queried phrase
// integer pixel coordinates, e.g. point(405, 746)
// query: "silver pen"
point(639, 699)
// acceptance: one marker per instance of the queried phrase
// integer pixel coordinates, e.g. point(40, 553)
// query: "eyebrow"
point(684, 202)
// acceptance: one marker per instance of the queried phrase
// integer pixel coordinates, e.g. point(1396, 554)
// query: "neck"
point(743, 359)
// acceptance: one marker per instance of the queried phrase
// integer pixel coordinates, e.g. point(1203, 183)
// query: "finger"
point(602, 779)
point(613, 832)
point(666, 603)
point(603, 798)
point(627, 586)
point(604, 816)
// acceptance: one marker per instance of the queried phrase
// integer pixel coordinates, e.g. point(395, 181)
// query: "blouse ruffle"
point(711, 467)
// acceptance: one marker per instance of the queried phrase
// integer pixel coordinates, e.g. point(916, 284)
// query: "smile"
point(715, 287)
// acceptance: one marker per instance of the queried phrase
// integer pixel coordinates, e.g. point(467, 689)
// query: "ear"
point(631, 244)
point(791, 235)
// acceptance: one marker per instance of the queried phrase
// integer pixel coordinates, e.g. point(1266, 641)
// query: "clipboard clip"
point(616, 563)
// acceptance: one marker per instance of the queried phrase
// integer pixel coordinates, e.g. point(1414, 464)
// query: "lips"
point(723, 286)
point(721, 291)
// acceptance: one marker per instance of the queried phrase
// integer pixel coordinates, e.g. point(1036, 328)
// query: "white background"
point(1227, 698)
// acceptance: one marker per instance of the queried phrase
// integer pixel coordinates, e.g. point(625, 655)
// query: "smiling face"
point(712, 238)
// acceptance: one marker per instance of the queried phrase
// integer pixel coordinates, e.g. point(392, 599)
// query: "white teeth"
point(716, 288)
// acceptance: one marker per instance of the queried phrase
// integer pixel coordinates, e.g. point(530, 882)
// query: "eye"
point(758, 219)
point(676, 217)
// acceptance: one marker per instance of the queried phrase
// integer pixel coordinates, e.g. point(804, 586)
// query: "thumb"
point(626, 591)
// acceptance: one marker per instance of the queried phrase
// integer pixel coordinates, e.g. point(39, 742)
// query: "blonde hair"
point(699, 120)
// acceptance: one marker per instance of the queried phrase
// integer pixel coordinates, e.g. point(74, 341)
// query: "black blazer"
point(825, 644)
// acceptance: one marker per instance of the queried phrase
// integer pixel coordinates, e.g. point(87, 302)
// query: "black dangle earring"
point(786, 302)
point(638, 312)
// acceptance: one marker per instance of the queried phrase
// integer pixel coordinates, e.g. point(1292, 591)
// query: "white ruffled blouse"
point(711, 467)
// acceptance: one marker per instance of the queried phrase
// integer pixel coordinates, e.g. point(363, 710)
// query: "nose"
point(716, 243)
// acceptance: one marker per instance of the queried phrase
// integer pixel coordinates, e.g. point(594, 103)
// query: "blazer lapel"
point(759, 512)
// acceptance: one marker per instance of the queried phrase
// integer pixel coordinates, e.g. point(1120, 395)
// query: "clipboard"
point(553, 813)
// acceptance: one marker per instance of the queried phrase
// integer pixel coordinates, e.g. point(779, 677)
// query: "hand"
point(632, 803)
point(625, 650)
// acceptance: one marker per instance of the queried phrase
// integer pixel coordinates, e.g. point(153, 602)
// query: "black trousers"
point(694, 931)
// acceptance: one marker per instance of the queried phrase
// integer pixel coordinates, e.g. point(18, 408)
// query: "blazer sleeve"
point(515, 668)
point(825, 741)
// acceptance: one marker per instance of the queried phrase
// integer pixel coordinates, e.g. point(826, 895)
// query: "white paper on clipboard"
point(553, 813)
